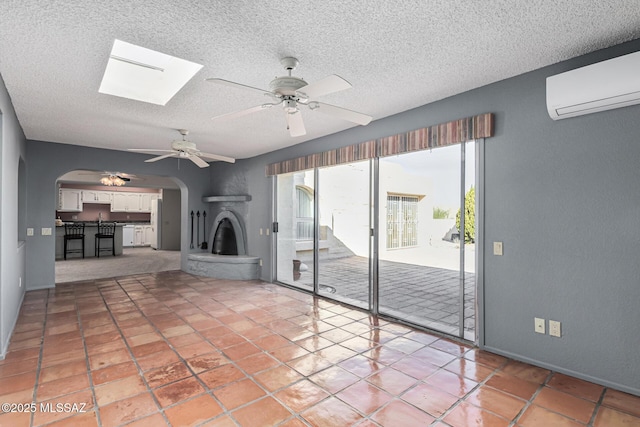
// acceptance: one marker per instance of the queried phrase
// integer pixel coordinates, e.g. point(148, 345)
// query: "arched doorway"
point(146, 209)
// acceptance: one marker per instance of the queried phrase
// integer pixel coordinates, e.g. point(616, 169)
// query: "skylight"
point(142, 74)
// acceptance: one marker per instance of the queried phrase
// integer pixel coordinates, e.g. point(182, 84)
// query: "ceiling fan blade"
point(148, 150)
point(216, 157)
point(164, 156)
point(238, 85)
point(198, 161)
point(325, 86)
point(295, 124)
point(342, 113)
point(241, 113)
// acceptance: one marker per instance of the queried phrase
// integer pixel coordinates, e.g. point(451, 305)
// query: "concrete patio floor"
point(426, 296)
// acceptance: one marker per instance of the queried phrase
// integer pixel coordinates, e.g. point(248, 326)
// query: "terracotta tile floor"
point(175, 349)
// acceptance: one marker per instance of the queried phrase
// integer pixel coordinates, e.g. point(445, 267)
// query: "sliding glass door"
point(421, 246)
point(394, 235)
point(344, 206)
point(295, 209)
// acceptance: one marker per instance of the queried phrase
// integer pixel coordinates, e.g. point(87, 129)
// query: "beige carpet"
point(132, 261)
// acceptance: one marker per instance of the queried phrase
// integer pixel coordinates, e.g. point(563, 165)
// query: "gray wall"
point(12, 245)
point(563, 197)
point(171, 220)
point(48, 161)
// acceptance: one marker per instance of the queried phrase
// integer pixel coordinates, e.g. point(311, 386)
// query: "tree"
point(469, 216)
point(439, 213)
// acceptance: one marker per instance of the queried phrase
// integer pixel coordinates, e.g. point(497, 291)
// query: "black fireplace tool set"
point(204, 244)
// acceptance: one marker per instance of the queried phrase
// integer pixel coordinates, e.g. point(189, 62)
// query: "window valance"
point(454, 132)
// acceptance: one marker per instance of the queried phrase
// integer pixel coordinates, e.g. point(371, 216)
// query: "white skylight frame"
point(142, 74)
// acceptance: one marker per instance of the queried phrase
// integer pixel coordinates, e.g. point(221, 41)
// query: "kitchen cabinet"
point(138, 237)
point(147, 235)
point(125, 202)
point(95, 196)
point(146, 200)
point(69, 200)
point(142, 235)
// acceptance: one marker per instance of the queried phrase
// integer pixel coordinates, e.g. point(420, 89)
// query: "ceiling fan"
point(292, 93)
point(183, 149)
point(121, 175)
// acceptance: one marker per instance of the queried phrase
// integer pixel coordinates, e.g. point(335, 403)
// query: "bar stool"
point(73, 231)
point(106, 231)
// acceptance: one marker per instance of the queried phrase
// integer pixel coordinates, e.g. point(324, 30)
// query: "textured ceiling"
point(397, 55)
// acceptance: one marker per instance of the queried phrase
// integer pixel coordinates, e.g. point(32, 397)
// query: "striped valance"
point(454, 132)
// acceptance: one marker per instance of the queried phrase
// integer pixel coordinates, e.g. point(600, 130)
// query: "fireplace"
point(224, 239)
point(228, 258)
point(227, 235)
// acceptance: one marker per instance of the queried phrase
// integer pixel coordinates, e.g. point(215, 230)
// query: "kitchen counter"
point(90, 230)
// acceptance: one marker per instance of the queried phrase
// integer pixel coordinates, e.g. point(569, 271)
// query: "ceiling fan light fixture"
point(290, 105)
point(112, 181)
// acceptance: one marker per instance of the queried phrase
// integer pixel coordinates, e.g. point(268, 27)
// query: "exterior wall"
point(549, 189)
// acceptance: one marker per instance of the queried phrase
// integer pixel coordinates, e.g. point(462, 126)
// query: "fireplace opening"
point(224, 241)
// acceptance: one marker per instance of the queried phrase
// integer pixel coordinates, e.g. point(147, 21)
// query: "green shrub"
point(439, 213)
point(469, 216)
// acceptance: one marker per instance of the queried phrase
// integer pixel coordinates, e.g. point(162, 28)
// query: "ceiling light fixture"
point(112, 181)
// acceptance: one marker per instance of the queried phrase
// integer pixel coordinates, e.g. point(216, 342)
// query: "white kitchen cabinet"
point(138, 237)
point(69, 200)
point(145, 201)
point(96, 196)
point(125, 202)
point(147, 235)
point(103, 196)
point(141, 235)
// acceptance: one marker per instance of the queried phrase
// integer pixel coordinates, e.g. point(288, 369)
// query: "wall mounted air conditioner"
point(602, 86)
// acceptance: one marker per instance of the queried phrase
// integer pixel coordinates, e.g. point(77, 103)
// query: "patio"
point(427, 296)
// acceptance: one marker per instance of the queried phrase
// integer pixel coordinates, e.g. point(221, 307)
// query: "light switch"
point(497, 248)
point(554, 328)
point(46, 231)
point(29, 231)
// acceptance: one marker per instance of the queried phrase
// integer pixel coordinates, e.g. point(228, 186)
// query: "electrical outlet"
point(497, 248)
point(554, 328)
point(20, 282)
point(539, 325)
point(260, 262)
point(46, 231)
point(261, 231)
point(267, 230)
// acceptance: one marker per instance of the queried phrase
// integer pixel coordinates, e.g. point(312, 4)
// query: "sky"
point(442, 166)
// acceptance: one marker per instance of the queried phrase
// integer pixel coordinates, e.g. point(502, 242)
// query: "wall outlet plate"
point(497, 248)
point(539, 325)
point(29, 231)
point(554, 328)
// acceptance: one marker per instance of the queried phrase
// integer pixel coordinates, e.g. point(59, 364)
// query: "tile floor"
point(175, 349)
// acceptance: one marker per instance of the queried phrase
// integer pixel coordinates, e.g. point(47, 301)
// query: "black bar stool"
point(106, 231)
point(73, 231)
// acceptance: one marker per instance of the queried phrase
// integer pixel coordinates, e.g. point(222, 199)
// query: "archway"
point(148, 214)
